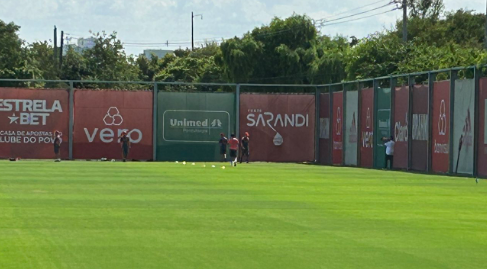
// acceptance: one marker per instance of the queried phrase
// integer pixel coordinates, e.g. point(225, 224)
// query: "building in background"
point(157, 52)
point(81, 45)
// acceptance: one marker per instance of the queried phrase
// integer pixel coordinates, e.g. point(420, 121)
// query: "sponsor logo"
point(368, 121)
point(352, 138)
point(368, 136)
point(338, 126)
point(441, 148)
point(420, 127)
point(256, 118)
point(113, 117)
point(324, 128)
point(108, 135)
point(401, 131)
point(338, 145)
point(442, 120)
point(29, 112)
point(195, 125)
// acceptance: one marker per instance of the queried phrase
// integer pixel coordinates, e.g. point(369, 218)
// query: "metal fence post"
point(359, 125)
point(431, 83)
point(71, 120)
point(453, 77)
point(344, 123)
point(410, 123)
point(154, 122)
point(392, 125)
point(330, 125)
point(374, 124)
point(317, 125)
point(237, 111)
point(477, 74)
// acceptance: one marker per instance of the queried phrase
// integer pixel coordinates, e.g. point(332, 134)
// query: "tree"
point(12, 63)
point(426, 8)
point(375, 56)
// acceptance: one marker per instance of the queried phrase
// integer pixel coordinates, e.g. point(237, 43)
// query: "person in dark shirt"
point(125, 143)
point(223, 146)
point(57, 145)
point(244, 142)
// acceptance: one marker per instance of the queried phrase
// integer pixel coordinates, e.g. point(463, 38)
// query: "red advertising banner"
point(100, 117)
point(420, 128)
point(281, 127)
point(441, 127)
point(401, 108)
point(325, 150)
point(337, 132)
point(367, 127)
point(28, 119)
point(482, 140)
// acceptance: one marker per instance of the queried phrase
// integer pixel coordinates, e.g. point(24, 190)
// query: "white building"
point(81, 44)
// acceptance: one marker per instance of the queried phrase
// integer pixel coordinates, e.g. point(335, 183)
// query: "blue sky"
point(157, 21)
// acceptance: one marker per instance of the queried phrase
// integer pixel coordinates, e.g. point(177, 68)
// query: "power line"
point(356, 19)
point(322, 22)
point(353, 9)
point(356, 14)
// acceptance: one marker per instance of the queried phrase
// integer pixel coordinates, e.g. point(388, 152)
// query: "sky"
point(139, 22)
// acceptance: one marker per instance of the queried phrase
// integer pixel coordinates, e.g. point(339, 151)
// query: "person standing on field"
point(57, 145)
point(126, 145)
point(389, 143)
point(223, 146)
point(244, 142)
point(233, 150)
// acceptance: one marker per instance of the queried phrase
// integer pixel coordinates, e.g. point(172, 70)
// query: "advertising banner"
point(401, 108)
point(325, 150)
point(463, 130)
point(441, 127)
point(351, 130)
point(482, 151)
point(420, 128)
point(100, 117)
point(189, 125)
point(367, 128)
point(337, 133)
point(383, 125)
point(281, 127)
point(28, 120)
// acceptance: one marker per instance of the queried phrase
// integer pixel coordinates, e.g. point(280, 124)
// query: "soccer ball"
point(193, 164)
point(223, 167)
point(213, 166)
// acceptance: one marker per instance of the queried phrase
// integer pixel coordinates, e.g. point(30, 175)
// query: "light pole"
point(192, 28)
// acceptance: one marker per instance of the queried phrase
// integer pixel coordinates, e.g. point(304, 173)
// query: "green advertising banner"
point(189, 125)
point(382, 125)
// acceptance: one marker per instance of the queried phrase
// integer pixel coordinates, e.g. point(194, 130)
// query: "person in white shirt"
point(389, 143)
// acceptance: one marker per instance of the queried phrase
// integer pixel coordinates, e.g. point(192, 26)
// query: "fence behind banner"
point(437, 120)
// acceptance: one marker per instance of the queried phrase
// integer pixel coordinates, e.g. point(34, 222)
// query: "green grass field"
point(167, 215)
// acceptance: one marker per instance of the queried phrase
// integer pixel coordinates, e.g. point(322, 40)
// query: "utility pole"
point(192, 28)
point(55, 45)
point(404, 21)
point(485, 37)
point(61, 50)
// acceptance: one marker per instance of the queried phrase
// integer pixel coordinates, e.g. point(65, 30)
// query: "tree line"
point(286, 51)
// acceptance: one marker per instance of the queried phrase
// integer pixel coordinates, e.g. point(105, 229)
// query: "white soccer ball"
point(193, 164)
point(223, 167)
point(113, 160)
point(177, 162)
point(213, 166)
point(184, 163)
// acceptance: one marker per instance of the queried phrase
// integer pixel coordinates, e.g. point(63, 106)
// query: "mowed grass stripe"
point(153, 215)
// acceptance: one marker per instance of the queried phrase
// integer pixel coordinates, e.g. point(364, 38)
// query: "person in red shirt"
point(233, 150)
